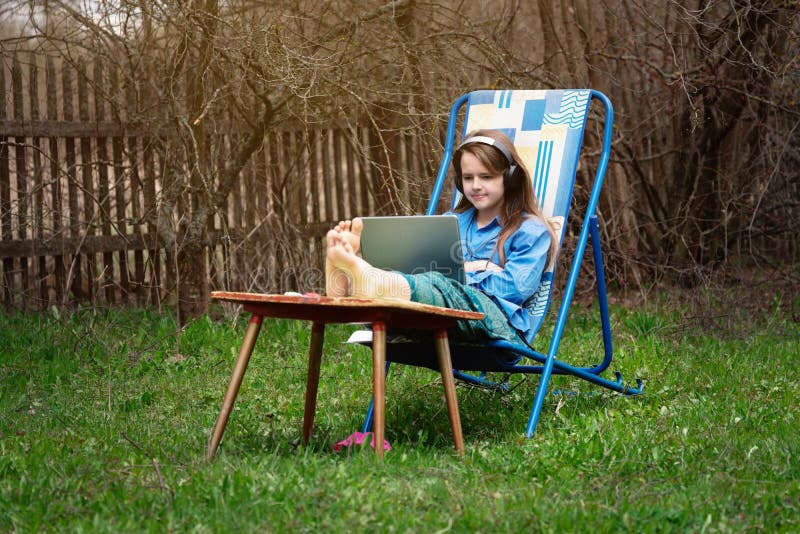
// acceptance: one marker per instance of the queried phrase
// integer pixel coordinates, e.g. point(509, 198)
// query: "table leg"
point(312, 381)
point(250, 336)
point(446, 368)
point(379, 384)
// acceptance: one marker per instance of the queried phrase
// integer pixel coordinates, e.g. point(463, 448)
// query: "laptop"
point(414, 244)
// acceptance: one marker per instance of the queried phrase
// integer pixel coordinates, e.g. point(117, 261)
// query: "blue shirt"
point(526, 256)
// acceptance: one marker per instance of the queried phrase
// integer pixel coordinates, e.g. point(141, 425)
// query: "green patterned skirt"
point(437, 290)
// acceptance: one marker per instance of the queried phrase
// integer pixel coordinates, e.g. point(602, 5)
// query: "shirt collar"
point(474, 220)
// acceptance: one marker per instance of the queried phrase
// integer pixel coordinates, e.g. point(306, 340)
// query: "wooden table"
point(380, 313)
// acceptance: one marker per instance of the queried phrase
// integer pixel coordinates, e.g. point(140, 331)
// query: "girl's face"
point(483, 188)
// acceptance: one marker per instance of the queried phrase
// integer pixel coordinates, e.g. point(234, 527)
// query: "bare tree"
point(203, 69)
point(705, 94)
point(706, 123)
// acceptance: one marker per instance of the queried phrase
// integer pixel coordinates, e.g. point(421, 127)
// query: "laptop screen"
point(414, 244)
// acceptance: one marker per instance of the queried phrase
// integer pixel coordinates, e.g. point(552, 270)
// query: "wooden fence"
point(79, 190)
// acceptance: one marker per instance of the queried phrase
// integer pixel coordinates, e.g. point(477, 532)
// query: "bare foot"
point(351, 232)
point(336, 284)
point(363, 280)
point(341, 257)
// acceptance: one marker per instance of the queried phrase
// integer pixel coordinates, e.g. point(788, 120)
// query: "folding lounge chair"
point(547, 130)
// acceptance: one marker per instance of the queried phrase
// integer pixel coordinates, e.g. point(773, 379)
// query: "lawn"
point(105, 417)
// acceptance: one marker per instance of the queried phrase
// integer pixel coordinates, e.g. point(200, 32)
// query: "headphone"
point(509, 173)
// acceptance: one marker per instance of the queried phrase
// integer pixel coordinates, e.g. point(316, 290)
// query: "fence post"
point(5, 194)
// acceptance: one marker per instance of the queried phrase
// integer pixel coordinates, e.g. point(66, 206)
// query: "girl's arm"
point(526, 257)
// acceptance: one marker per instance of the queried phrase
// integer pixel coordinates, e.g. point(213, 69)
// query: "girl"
point(505, 240)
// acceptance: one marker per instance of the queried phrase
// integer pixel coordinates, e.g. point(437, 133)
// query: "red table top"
point(318, 308)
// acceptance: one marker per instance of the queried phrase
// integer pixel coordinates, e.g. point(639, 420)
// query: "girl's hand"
point(472, 266)
point(492, 267)
point(481, 265)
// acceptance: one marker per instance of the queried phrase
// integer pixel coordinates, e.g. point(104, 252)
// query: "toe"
point(331, 237)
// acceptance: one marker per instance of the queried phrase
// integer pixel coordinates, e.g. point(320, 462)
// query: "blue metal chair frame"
point(589, 230)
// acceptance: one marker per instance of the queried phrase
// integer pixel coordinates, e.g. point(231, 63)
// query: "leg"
point(379, 384)
point(363, 280)
point(446, 368)
point(312, 382)
point(602, 297)
point(250, 336)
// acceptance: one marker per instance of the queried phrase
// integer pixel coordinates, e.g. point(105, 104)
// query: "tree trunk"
point(193, 285)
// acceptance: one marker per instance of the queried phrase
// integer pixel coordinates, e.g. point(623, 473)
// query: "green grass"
point(105, 416)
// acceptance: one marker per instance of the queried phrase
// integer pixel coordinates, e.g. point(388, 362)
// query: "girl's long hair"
point(519, 202)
